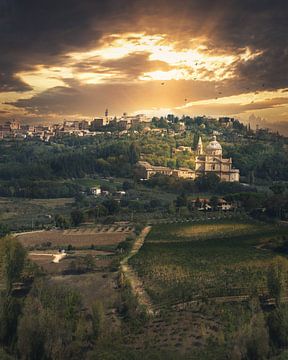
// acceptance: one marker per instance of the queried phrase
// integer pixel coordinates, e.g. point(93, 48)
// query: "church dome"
point(214, 147)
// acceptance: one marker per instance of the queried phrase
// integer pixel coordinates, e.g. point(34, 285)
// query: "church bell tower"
point(199, 147)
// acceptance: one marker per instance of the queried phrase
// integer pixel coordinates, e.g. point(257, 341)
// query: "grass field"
point(180, 263)
point(100, 237)
point(20, 213)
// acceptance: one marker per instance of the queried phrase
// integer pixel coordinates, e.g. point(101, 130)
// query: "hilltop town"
point(14, 129)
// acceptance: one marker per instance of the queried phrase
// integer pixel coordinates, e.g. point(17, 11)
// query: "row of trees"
point(110, 158)
point(48, 323)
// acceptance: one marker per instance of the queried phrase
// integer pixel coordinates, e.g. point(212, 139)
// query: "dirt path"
point(27, 232)
point(56, 257)
point(131, 275)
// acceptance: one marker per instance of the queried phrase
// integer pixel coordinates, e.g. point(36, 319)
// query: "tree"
point(195, 141)
point(181, 200)
point(214, 202)
point(251, 177)
point(12, 258)
point(4, 230)
point(4, 355)
point(10, 310)
point(258, 341)
point(49, 323)
point(251, 341)
point(60, 221)
point(99, 211)
point(134, 154)
point(155, 203)
point(77, 217)
point(112, 206)
point(276, 281)
point(127, 185)
point(207, 182)
point(278, 326)
point(278, 188)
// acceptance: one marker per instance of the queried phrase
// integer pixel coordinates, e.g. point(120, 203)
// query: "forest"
point(261, 158)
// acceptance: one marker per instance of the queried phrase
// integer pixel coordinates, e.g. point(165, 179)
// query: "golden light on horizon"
point(139, 59)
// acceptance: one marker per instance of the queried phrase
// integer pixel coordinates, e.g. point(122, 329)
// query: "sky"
point(72, 59)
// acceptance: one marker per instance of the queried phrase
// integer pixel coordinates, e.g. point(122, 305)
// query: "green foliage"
point(258, 341)
point(127, 185)
point(77, 217)
point(207, 182)
point(4, 230)
point(12, 258)
point(98, 316)
point(278, 188)
point(10, 309)
point(81, 265)
point(112, 206)
point(123, 352)
point(49, 321)
point(38, 164)
point(134, 153)
point(61, 222)
point(181, 200)
point(250, 341)
point(278, 326)
point(124, 246)
point(4, 355)
point(276, 278)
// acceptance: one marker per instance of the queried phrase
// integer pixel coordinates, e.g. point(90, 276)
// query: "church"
point(211, 161)
point(206, 162)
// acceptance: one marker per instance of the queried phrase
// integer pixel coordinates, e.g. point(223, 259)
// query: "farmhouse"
point(144, 170)
point(95, 190)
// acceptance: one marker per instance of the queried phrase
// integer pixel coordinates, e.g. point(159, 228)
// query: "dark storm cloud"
point(92, 99)
point(41, 32)
point(266, 72)
point(10, 82)
point(127, 68)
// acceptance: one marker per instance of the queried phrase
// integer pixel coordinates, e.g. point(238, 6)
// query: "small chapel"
point(211, 161)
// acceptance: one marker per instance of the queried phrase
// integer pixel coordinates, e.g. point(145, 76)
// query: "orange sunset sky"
point(72, 59)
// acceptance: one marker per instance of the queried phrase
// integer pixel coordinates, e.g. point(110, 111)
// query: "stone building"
point(208, 161)
point(211, 161)
point(144, 170)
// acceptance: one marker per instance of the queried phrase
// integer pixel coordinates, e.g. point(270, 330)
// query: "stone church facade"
point(208, 161)
point(212, 161)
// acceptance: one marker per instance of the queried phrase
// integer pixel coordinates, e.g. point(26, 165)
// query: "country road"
point(131, 275)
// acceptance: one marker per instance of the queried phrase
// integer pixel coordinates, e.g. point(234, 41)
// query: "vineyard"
point(181, 263)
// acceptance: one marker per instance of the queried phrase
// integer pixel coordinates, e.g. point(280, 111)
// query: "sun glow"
point(43, 78)
point(242, 99)
point(190, 63)
point(163, 60)
point(194, 62)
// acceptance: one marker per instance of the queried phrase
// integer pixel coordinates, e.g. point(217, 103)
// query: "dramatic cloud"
point(72, 57)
